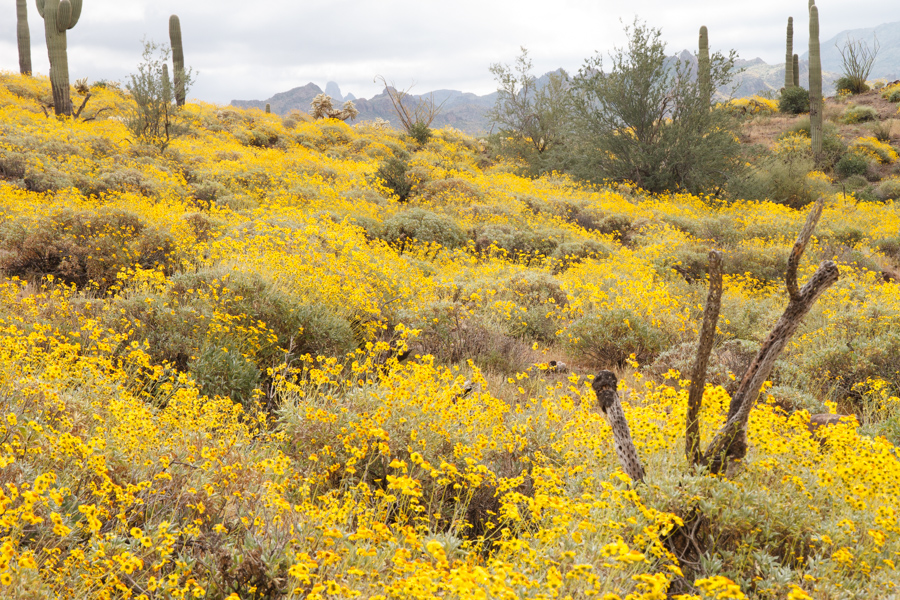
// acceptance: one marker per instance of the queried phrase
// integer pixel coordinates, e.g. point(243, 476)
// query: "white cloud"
point(244, 50)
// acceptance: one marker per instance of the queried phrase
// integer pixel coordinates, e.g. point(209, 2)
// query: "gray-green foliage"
point(793, 100)
point(59, 16)
point(643, 121)
point(155, 118)
point(23, 36)
point(532, 118)
point(420, 225)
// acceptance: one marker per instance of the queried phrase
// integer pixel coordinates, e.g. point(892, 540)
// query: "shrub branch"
point(698, 373)
point(730, 441)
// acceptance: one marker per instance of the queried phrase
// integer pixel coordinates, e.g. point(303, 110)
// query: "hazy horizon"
point(240, 52)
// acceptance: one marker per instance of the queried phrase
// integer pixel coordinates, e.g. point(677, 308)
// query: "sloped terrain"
point(245, 368)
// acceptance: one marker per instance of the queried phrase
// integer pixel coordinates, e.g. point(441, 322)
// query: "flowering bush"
point(223, 376)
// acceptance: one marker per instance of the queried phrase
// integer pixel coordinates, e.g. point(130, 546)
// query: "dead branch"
point(83, 104)
point(422, 112)
point(604, 385)
point(730, 441)
point(704, 347)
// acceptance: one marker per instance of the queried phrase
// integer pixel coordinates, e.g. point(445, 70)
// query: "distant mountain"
point(887, 62)
point(461, 110)
point(756, 76)
point(282, 103)
point(467, 112)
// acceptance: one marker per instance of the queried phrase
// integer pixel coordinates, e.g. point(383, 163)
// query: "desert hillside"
point(276, 358)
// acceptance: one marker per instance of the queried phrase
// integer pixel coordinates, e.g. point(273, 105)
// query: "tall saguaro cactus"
point(59, 16)
point(796, 71)
point(703, 74)
point(177, 58)
point(24, 37)
point(789, 55)
point(815, 83)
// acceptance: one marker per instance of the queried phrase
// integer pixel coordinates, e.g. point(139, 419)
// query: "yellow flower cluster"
point(202, 394)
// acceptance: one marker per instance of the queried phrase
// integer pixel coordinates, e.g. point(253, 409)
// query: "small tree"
point(857, 59)
point(155, 118)
point(532, 119)
point(415, 114)
point(648, 121)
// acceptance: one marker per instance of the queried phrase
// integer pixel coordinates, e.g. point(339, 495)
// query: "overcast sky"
point(252, 50)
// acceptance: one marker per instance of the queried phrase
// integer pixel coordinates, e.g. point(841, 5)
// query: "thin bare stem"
point(799, 247)
point(730, 442)
point(704, 347)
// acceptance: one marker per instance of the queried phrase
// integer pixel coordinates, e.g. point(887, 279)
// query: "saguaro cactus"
point(703, 64)
point(796, 71)
point(59, 16)
point(24, 37)
point(177, 58)
point(268, 108)
point(789, 55)
point(815, 83)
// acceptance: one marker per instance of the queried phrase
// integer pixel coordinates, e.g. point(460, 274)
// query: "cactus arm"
point(63, 15)
point(76, 13)
point(40, 7)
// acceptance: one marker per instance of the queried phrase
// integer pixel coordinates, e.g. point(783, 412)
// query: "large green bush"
point(852, 163)
point(858, 114)
point(87, 249)
point(637, 119)
point(608, 337)
point(420, 225)
point(794, 100)
point(393, 173)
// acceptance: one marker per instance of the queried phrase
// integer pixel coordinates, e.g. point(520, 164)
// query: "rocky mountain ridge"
point(468, 112)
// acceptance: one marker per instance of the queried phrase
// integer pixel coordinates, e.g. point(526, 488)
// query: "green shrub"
point(85, 249)
point(519, 244)
point(856, 182)
point(889, 189)
point(225, 372)
point(779, 178)
point(393, 174)
point(540, 295)
point(794, 101)
point(176, 326)
point(418, 224)
point(852, 163)
point(882, 131)
point(833, 146)
point(155, 119)
point(858, 114)
point(894, 96)
point(608, 337)
point(420, 132)
point(850, 85)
